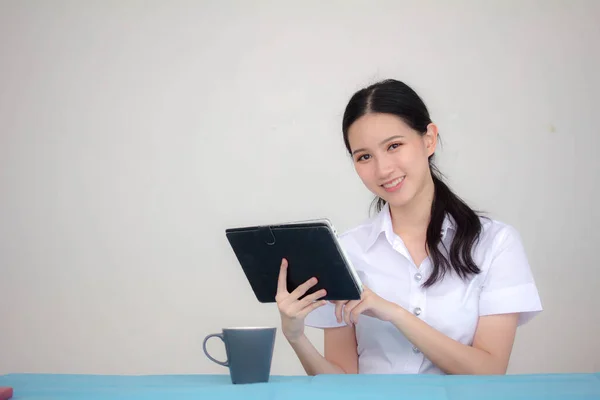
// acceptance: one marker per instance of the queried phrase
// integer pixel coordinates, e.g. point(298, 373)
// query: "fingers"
point(282, 279)
point(339, 308)
point(313, 306)
point(312, 297)
point(300, 304)
point(288, 303)
point(301, 308)
point(348, 309)
point(356, 311)
point(307, 301)
point(302, 289)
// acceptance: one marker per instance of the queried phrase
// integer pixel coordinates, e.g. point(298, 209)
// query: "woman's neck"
point(412, 219)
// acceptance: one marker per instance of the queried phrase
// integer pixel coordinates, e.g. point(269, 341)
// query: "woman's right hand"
point(294, 311)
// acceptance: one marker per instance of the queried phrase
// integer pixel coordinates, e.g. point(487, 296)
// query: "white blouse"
point(452, 306)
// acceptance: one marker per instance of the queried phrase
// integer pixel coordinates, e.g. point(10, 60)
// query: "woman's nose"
point(384, 167)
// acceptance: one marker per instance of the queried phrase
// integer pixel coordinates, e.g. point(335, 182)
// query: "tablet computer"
point(312, 249)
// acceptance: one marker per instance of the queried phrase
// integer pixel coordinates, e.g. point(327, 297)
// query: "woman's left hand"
point(370, 304)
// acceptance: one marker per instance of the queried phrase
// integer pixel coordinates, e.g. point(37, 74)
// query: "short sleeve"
point(509, 286)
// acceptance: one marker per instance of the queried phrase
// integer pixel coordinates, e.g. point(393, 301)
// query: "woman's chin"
point(396, 200)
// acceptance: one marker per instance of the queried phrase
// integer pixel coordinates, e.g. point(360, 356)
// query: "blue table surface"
point(434, 387)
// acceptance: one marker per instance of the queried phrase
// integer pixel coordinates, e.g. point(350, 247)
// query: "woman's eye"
point(394, 146)
point(364, 157)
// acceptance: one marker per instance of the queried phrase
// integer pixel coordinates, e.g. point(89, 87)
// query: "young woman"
point(444, 289)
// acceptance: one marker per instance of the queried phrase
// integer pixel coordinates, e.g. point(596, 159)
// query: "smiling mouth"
point(394, 183)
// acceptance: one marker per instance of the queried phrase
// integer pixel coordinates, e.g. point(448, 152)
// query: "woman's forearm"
point(449, 355)
point(312, 361)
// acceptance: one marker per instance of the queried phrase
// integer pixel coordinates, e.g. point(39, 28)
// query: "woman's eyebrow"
point(380, 143)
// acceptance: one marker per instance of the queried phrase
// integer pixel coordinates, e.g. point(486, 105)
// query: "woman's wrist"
point(399, 316)
point(295, 339)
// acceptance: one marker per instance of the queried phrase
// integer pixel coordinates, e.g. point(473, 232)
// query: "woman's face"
point(391, 159)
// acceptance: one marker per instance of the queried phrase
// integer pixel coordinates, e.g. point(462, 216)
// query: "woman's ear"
point(431, 137)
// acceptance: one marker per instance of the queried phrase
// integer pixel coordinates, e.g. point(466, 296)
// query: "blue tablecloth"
point(330, 387)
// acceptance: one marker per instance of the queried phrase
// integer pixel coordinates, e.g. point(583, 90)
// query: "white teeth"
point(393, 183)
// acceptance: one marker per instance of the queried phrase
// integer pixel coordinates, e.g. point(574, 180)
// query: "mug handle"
point(220, 336)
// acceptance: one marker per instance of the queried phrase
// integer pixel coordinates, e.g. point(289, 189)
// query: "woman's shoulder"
point(497, 235)
point(495, 232)
point(359, 235)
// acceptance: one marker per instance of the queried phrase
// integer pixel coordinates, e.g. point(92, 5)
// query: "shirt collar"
point(448, 223)
point(382, 223)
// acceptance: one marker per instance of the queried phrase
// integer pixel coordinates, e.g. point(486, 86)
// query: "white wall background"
point(132, 133)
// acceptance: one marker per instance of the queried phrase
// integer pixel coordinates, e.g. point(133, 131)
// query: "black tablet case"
point(310, 249)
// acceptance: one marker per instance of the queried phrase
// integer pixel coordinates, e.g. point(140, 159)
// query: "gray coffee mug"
point(249, 353)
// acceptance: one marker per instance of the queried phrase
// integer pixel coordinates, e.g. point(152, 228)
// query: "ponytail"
point(466, 233)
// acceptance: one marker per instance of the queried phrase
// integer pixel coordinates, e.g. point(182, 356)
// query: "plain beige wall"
point(133, 133)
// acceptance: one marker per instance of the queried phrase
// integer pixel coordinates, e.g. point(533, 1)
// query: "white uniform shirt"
point(452, 306)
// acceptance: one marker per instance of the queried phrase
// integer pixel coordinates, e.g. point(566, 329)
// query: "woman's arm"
point(341, 348)
point(340, 343)
point(489, 353)
point(340, 352)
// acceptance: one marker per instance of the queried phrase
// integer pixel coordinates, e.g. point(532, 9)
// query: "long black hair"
point(395, 97)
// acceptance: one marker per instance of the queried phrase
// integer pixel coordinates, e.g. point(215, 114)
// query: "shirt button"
point(417, 311)
point(418, 277)
point(416, 351)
